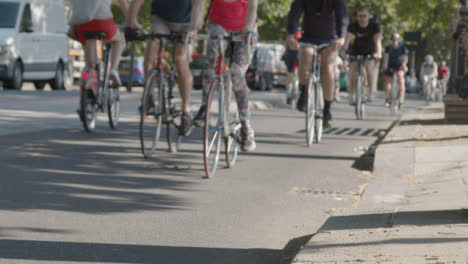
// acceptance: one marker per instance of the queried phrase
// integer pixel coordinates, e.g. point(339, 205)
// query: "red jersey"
point(443, 71)
point(231, 15)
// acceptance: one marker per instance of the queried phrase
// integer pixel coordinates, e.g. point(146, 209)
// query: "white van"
point(33, 43)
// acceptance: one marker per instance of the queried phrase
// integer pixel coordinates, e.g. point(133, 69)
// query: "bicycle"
point(157, 108)
point(360, 82)
point(314, 95)
point(95, 91)
point(395, 105)
point(221, 121)
point(430, 89)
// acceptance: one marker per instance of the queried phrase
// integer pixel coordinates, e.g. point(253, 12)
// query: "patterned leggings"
point(239, 65)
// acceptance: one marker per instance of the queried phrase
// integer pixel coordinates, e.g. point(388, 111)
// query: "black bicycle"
point(359, 93)
point(95, 93)
point(157, 108)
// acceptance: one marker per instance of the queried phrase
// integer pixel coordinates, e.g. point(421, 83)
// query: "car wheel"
point(16, 82)
point(58, 82)
point(40, 85)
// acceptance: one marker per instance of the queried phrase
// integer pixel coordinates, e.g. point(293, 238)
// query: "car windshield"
point(8, 14)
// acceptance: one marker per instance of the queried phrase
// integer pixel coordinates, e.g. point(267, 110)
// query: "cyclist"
point(291, 59)
point(365, 38)
point(226, 16)
point(443, 76)
point(428, 73)
point(167, 16)
point(395, 60)
point(96, 16)
point(324, 22)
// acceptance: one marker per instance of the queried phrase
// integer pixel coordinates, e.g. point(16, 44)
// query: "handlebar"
point(132, 35)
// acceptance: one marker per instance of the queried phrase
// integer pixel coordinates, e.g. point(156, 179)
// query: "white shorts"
point(161, 26)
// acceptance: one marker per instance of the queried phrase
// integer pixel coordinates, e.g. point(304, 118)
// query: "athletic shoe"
point(301, 102)
point(247, 139)
point(327, 119)
point(186, 124)
point(199, 119)
point(115, 78)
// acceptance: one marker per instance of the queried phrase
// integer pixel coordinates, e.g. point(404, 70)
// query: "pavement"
point(71, 197)
point(414, 209)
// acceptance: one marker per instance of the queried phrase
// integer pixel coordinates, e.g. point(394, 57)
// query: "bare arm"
point(378, 44)
point(132, 14)
point(348, 38)
point(124, 7)
point(198, 6)
point(251, 15)
point(295, 13)
point(385, 62)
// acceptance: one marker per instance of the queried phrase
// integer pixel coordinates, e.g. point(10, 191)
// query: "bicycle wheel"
point(359, 90)
point(232, 123)
point(151, 115)
point(113, 107)
point(212, 132)
point(88, 107)
point(319, 104)
point(294, 89)
point(310, 112)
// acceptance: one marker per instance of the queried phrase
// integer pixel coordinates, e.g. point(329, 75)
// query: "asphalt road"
point(67, 196)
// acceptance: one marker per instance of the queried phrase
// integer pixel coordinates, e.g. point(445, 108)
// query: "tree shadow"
point(125, 253)
point(388, 220)
point(69, 170)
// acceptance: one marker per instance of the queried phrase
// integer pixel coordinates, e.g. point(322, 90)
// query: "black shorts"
point(392, 69)
point(291, 59)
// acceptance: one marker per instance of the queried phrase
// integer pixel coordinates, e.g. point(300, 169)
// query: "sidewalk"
point(413, 209)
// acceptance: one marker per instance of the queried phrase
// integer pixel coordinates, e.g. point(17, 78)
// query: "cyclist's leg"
point(305, 64)
point(388, 86)
point(152, 46)
point(184, 79)
point(328, 80)
point(117, 47)
point(401, 84)
point(352, 76)
point(209, 74)
point(239, 65)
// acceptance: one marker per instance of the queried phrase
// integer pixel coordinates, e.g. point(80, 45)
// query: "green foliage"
point(431, 17)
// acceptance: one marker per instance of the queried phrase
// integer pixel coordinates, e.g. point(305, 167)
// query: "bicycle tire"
point(294, 89)
point(310, 112)
point(359, 92)
point(319, 104)
point(212, 131)
point(113, 107)
point(88, 108)
point(151, 115)
point(232, 124)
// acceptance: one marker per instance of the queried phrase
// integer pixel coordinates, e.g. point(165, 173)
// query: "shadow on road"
point(102, 172)
point(122, 253)
point(387, 220)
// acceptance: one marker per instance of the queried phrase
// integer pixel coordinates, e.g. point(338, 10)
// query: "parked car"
point(76, 60)
point(33, 43)
point(138, 71)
